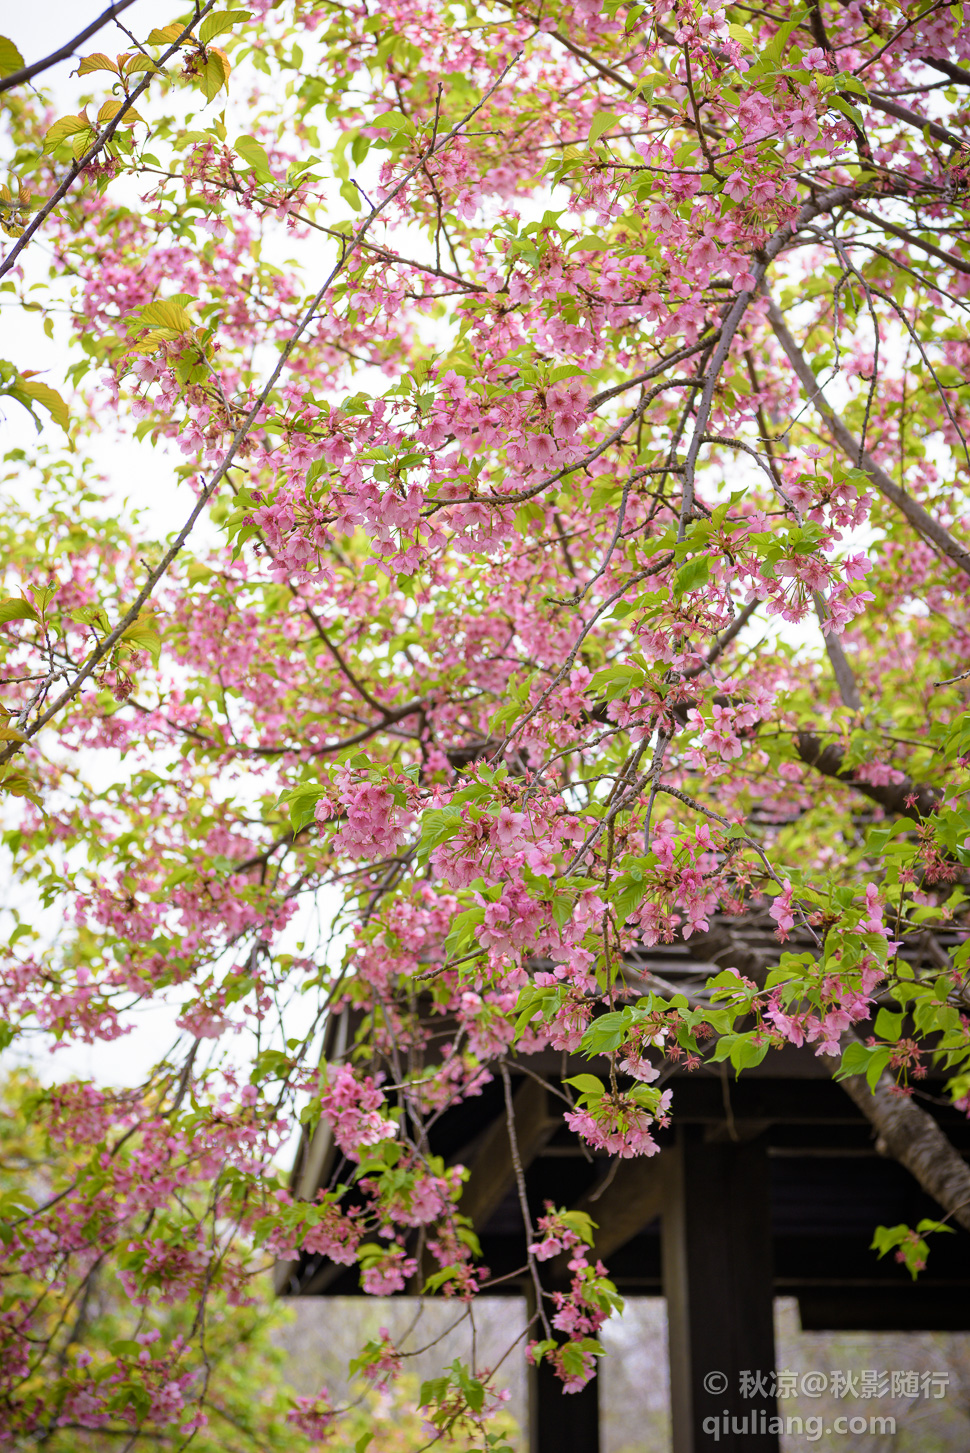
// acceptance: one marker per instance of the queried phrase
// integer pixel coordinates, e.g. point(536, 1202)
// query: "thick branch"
point(891, 797)
point(947, 68)
point(914, 1139)
point(918, 517)
point(913, 118)
point(661, 367)
point(731, 321)
point(911, 240)
point(844, 675)
point(17, 78)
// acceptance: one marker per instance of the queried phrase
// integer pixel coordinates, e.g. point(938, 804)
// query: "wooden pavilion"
point(768, 1185)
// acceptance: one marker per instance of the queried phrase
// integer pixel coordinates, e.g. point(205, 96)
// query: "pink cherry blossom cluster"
point(616, 1123)
point(353, 1108)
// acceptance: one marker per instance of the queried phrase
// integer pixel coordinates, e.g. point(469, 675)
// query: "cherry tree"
point(566, 406)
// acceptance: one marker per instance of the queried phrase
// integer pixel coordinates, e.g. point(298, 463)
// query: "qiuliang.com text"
point(754, 1424)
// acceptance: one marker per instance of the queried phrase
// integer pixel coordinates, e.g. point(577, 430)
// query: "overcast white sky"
point(45, 26)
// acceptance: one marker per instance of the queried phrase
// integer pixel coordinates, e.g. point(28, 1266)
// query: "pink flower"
point(389, 1273)
point(313, 1415)
point(781, 912)
point(736, 187)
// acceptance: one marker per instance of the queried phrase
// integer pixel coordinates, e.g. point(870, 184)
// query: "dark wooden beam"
point(621, 1208)
point(492, 1171)
point(889, 1309)
point(561, 1422)
point(717, 1275)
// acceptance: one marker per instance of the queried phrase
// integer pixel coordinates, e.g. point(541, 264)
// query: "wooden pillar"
point(718, 1283)
point(561, 1422)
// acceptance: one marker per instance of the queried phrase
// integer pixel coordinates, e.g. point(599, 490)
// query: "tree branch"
point(913, 118)
point(912, 1137)
point(891, 797)
point(99, 143)
point(918, 517)
point(731, 322)
point(929, 248)
point(17, 78)
point(244, 428)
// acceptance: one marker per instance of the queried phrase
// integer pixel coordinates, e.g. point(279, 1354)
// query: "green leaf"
point(863, 1059)
point(692, 575)
point(62, 129)
point(462, 932)
point(775, 50)
point(878, 837)
point(165, 314)
point(618, 680)
point(144, 636)
point(582, 1223)
point(606, 1034)
point(852, 83)
point(839, 103)
point(879, 1061)
point(19, 786)
point(437, 826)
point(10, 58)
point(165, 35)
point(587, 1085)
point(351, 196)
point(602, 121)
point(504, 717)
point(429, 1391)
point(392, 120)
point(561, 908)
point(97, 62)
point(110, 110)
point(910, 1247)
point(437, 1279)
point(532, 1001)
point(214, 74)
point(301, 802)
point(17, 609)
point(573, 1359)
point(126, 1347)
point(140, 63)
point(742, 36)
point(745, 1053)
point(219, 22)
point(627, 893)
point(889, 1026)
point(254, 153)
point(47, 397)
